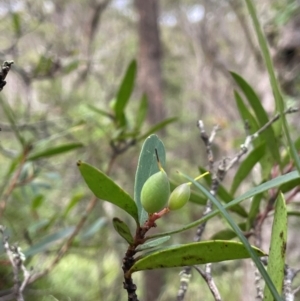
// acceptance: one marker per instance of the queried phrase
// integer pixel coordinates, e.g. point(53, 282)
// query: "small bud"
point(179, 196)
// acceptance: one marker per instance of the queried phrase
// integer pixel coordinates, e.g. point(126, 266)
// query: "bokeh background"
point(69, 59)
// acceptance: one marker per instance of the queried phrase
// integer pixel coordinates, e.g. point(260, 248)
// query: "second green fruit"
point(179, 197)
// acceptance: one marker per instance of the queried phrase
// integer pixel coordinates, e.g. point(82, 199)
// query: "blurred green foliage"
point(63, 103)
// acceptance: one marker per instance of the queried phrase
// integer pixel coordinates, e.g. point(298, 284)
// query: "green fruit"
point(155, 192)
point(179, 196)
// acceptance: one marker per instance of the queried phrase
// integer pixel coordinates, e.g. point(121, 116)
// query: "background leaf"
point(262, 117)
point(48, 241)
point(57, 150)
point(106, 189)
point(124, 92)
point(94, 228)
point(153, 243)
point(246, 166)
point(141, 113)
point(157, 127)
point(246, 115)
point(224, 195)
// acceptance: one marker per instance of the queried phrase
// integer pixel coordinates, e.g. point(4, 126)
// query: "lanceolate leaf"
point(246, 167)
point(261, 115)
point(193, 253)
point(254, 210)
point(147, 166)
point(293, 213)
point(93, 229)
point(153, 243)
point(224, 195)
point(16, 20)
point(106, 189)
point(227, 234)
point(45, 243)
point(10, 116)
point(123, 230)
point(124, 92)
point(57, 150)
point(101, 112)
point(276, 260)
point(157, 127)
point(245, 113)
point(141, 113)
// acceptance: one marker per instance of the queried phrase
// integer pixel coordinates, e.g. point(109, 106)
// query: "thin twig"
point(16, 259)
point(209, 280)
point(185, 275)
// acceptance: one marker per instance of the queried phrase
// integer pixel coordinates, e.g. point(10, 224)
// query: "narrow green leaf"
point(123, 230)
point(227, 234)
point(124, 92)
point(153, 243)
point(57, 150)
point(11, 118)
point(48, 241)
point(254, 210)
point(246, 167)
point(36, 227)
point(293, 213)
point(224, 195)
point(70, 67)
point(49, 141)
point(37, 201)
point(44, 66)
point(101, 112)
point(262, 117)
point(196, 198)
point(93, 229)
point(287, 154)
point(273, 80)
point(245, 113)
point(289, 186)
point(73, 201)
point(147, 166)
point(157, 127)
point(141, 113)
point(194, 253)
point(250, 193)
point(13, 166)
point(276, 260)
point(16, 23)
point(106, 189)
